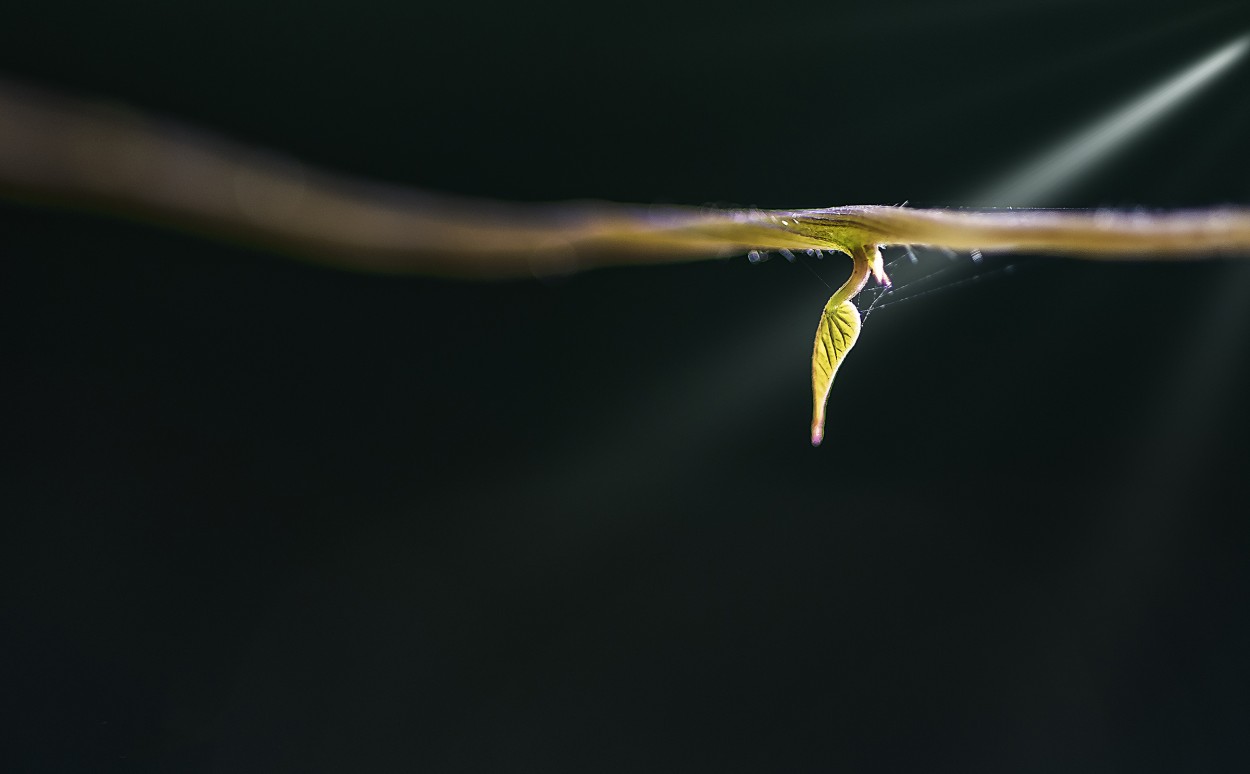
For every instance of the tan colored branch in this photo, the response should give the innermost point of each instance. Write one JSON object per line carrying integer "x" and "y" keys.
{"x": 57, "y": 150}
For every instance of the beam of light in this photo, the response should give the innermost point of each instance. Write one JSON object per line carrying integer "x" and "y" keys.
{"x": 1043, "y": 177}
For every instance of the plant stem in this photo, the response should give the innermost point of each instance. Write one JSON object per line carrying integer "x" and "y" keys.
{"x": 75, "y": 153}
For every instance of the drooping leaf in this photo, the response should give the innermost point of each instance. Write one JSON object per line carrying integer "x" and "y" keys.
{"x": 836, "y": 334}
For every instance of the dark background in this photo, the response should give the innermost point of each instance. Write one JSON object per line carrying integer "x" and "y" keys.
{"x": 263, "y": 516}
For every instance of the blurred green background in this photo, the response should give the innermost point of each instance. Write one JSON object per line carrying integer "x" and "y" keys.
{"x": 263, "y": 516}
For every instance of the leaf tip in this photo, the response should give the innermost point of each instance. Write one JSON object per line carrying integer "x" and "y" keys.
{"x": 877, "y": 263}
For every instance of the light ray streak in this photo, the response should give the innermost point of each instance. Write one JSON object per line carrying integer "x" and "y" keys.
{"x": 1040, "y": 180}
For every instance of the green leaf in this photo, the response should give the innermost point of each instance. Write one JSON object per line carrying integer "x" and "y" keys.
{"x": 836, "y": 334}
